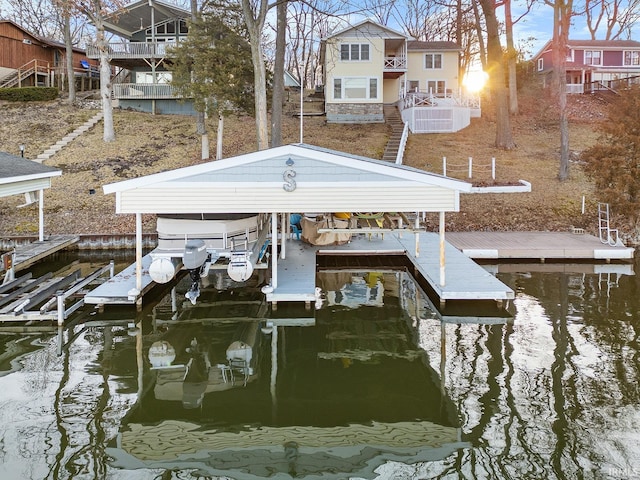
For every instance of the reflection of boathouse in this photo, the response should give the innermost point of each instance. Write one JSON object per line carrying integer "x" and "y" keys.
{"x": 332, "y": 395}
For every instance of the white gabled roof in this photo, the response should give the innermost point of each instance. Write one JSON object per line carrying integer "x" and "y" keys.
{"x": 264, "y": 163}
{"x": 356, "y": 26}
{"x": 325, "y": 180}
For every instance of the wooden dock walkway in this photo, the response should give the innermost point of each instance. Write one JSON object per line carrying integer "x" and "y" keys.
{"x": 465, "y": 279}
{"x": 536, "y": 245}
{"x": 30, "y": 253}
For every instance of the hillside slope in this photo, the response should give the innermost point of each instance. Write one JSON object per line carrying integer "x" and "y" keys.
{"x": 148, "y": 144}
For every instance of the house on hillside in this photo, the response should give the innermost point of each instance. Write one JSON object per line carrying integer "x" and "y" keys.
{"x": 29, "y": 60}
{"x": 369, "y": 66}
{"x": 146, "y": 30}
{"x": 593, "y": 65}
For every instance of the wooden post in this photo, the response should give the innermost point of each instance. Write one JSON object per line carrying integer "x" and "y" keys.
{"x": 470, "y": 167}
{"x": 444, "y": 166}
{"x": 493, "y": 168}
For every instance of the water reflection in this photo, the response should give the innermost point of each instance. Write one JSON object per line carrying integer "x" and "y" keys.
{"x": 252, "y": 394}
{"x": 372, "y": 385}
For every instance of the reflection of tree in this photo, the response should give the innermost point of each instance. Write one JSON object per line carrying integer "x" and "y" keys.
{"x": 82, "y": 448}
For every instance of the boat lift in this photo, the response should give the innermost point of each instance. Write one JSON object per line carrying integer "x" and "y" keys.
{"x": 25, "y": 299}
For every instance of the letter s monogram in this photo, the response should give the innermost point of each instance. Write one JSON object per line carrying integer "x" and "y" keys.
{"x": 290, "y": 183}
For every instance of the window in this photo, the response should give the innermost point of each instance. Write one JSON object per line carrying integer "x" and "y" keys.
{"x": 354, "y": 51}
{"x": 355, "y": 88}
{"x": 592, "y": 57}
{"x": 540, "y": 64}
{"x": 631, "y": 58}
{"x": 413, "y": 85}
{"x": 436, "y": 86}
{"x": 337, "y": 88}
{"x": 433, "y": 60}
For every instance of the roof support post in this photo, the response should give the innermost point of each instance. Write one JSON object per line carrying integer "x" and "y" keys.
{"x": 283, "y": 234}
{"x": 417, "y": 234}
{"x": 442, "y": 256}
{"x": 138, "y": 253}
{"x": 274, "y": 251}
{"x": 41, "y": 215}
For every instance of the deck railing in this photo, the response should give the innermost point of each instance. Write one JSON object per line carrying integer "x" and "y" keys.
{"x": 144, "y": 91}
{"x": 395, "y": 63}
{"x": 122, "y": 50}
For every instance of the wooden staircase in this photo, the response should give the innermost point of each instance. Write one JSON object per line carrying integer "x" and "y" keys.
{"x": 393, "y": 119}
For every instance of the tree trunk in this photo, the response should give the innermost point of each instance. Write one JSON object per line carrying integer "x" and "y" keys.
{"x": 495, "y": 65}
{"x": 561, "y": 23}
{"x": 277, "y": 97}
{"x": 512, "y": 57}
{"x": 109, "y": 134}
{"x": 201, "y": 125}
{"x": 254, "y": 27}
{"x": 69, "y": 52}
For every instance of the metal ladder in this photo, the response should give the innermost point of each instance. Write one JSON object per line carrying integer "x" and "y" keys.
{"x": 608, "y": 235}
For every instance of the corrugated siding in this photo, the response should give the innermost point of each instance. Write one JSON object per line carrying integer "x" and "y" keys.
{"x": 273, "y": 198}
{"x": 18, "y": 188}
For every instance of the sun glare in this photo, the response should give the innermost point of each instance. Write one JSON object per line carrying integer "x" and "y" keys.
{"x": 475, "y": 81}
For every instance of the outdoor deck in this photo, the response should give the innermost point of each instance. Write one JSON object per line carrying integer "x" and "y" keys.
{"x": 465, "y": 279}
{"x": 541, "y": 246}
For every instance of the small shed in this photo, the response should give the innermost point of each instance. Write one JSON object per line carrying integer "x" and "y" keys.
{"x": 21, "y": 176}
{"x": 284, "y": 180}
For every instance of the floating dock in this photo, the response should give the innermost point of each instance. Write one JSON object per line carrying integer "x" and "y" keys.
{"x": 465, "y": 279}
{"x": 541, "y": 246}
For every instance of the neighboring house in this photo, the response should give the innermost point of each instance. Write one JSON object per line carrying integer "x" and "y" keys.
{"x": 29, "y": 60}
{"x": 369, "y": 66}
{"x": 147, "y": 28}
{"x": 593, "y": 64}
{"x": 290, "y": 81}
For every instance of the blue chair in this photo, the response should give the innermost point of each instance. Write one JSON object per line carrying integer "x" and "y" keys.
{"x": 294, "y": 223}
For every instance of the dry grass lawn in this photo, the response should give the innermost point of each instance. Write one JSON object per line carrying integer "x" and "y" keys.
{"x": 148, "y": 144}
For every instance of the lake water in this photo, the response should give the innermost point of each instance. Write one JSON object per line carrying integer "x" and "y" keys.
{"x": 373, "y": 383}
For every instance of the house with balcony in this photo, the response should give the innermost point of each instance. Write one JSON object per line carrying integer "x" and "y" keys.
{"x": 369, "y": 66}
{"x": 29, "y": 60}
{"x": 593, "y": 65}
{"x": 145, "y": 30}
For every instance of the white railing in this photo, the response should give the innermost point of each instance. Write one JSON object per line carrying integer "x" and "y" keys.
{"x": 403, "y": 144}
{"x": 119, "y": 50}
{"x": 395, "y": 63}
{"x": 575, "y": 88}
{"x": 144, "y": 91}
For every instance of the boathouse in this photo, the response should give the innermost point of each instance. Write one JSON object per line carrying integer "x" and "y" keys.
{"x": 292, "y": 179}
{"x": 19, "y": 176}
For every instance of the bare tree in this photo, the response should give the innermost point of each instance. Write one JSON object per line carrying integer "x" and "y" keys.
{"x": 618, "y": 16}
{"x": 39, "y": 17}
{"x": 277, "y": 96}
{"x": 512, "y": 53}
{"x": 95, "y": 11}
{"x": 562, "y": 13}
{"x": 255, "y": 13}
{"x": 495, "y": 66}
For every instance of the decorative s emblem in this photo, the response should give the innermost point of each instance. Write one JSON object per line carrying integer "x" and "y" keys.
{"x": 290, "y": 183}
